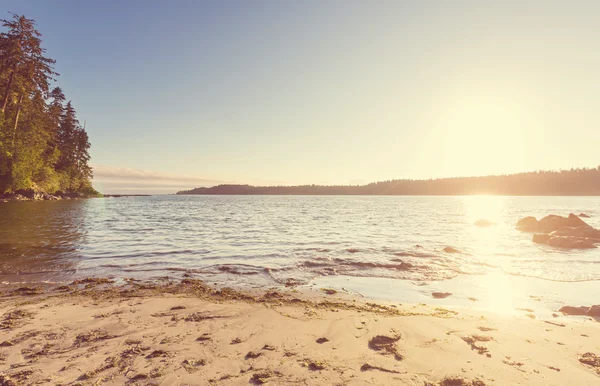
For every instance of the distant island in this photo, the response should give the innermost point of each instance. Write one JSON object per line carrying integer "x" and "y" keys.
{"x": 574, "y": 182}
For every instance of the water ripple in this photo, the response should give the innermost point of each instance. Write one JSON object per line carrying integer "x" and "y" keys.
{"x": 289, "y": 238}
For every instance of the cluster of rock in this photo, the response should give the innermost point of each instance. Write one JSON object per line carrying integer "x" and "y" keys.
{"x": 39, "y": 195}
{"x": 563, "y": 232}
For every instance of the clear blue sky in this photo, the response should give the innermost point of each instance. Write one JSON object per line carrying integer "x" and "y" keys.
{"x": 334, "y": 91}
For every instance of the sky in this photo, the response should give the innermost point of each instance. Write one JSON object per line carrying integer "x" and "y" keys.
{"x": 182, "y": 94}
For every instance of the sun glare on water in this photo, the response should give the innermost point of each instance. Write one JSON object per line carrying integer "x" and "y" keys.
{"x": 483, "y": 217}
{"x": 497, "y": 290}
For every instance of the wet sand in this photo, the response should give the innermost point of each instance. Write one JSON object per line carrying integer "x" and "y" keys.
{"x": 93, "y": 332}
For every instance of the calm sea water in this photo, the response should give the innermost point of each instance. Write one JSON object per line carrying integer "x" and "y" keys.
{"x": 287, "y": 239}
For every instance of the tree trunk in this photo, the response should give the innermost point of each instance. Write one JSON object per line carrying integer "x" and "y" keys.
{"x": 16, "y": 124}
{"x": 7, "y": 92}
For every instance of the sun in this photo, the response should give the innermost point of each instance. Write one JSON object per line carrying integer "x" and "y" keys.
{"x": 484, "y": 135}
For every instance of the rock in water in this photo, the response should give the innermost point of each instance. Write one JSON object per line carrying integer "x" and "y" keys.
{"x": 581, "y": 232}
{"x": 441, "y": 295}
{"x": 570, "y": 243}
{"x": 581, "y": 311}
{"x": 570, "y": 310}
{"x": 552, "y": 223}
{"x": 483, "y": 223}
{"x": 566, "y": 242}
{"x": 584, "y": 215}
{"x": 451, "y": 250}
{"x": 541, "y": 238}
{"x": 549, "y": 223}
{"x": 594, "y": 310}
{"x": 527, "y": 224}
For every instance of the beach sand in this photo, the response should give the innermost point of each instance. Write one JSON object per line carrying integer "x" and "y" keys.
{"x": 186, "y": 333}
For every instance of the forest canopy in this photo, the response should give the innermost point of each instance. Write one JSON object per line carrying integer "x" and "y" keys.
{"x": 42, "y": 144}
{"x": 574, "y": 182}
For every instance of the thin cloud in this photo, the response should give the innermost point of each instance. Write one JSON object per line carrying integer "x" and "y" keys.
{"x": 114, "y": 180}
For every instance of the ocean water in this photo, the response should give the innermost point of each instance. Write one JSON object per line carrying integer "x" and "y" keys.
{"x": 293, "y": 240}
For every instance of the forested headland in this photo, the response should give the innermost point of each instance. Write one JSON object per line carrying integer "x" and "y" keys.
{"x": 43, "y": 147}
{"x": 574, "y": 182}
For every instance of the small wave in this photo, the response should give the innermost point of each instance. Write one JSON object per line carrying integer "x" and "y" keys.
{"x": 483, "y": 264}
{"x": 102, "y": 255}
{"x": 396, "y": 268}
{"x": 237, "y": 269}
{"x": 338, "y": 262}
{"x": 553, "y": 280}
{"x": 322, "y": 250}
{"x": 413, "y": 254}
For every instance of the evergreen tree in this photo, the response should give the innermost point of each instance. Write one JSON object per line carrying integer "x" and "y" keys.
{"x": 41, "y": 141}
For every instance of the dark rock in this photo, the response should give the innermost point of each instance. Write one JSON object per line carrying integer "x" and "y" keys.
{"x": 570, "y": 310}
{"x": 584, "y": 215}
{"x": 594, "y": 310}
{"x": 29, "y": 194}
{"x": 17, "y": 197}
{"x": 34, "y": 193}
{"x": 441, "y": 295}
{"x": 252, "y": 355}
{"x": 483, "y": 223}
{"x": 581, "y": 311}
{"x": 581, "y": 232}
{"x": 541, "y": 238}
{"x": 561, "y": 232}
{"x": 549, "y": 223}
{"x": 527, "y": 224}
{"x": 570, "y": 243}
{"x": 72, "y": 195}
{"x": 563, "y": 241}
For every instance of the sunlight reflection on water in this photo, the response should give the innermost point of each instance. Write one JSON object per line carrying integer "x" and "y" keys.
{"x": 262, "y": 239}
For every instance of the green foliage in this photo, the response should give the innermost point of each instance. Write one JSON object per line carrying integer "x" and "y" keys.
{"x": 42, "y": 143}
{"x": 88, "y": 190}
{"x": 47, "y": 179}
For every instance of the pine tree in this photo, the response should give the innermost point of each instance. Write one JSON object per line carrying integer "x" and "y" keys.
{"x": 41, "y": 141}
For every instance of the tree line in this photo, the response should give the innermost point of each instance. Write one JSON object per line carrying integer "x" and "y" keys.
{"x": 42, "y": 144}
{"x": 574, "y": 182}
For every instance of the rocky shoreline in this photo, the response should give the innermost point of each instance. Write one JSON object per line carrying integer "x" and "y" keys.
{"x": 40, "y": 195}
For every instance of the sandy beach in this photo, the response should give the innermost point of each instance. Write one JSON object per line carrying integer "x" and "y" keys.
{"x": 94, "y": 332}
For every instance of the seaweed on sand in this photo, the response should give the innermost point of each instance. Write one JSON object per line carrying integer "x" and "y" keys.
{"x": 386, "y": 345}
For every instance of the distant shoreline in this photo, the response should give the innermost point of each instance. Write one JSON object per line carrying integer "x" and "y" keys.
{"x": 376, "y": 194}
{"x": 126, "y": 195}
{"x": 574, "y": 182}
